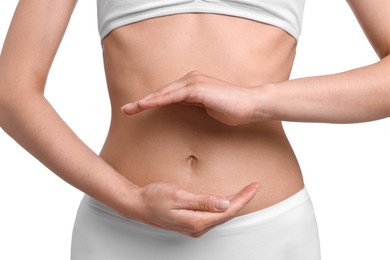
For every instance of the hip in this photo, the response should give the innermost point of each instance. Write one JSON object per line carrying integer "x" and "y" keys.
{"x": 286, "y": 230}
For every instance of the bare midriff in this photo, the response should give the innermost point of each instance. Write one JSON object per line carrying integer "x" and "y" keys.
{"x": 181, "y": 144}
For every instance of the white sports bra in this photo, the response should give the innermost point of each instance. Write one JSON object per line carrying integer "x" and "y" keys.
{"x": 285, "y": 14}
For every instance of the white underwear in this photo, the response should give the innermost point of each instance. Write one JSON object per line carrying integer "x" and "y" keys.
{"x": 284, "y": 231}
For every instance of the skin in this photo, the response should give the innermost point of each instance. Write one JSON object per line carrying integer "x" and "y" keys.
{"x": 182, "y": 145}
{"x": 201, "y": 79}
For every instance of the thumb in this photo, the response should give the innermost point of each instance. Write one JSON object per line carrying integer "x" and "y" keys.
{"x": 205, "y": 203}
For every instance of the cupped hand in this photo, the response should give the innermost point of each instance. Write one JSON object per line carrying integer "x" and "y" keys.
{"x": 170, "y": 207}
{"x": 227, "y": 103}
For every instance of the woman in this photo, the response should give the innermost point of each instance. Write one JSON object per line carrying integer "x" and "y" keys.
{"x": 180, "y": 145}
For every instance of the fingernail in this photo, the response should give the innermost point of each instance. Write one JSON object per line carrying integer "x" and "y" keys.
{"x": 124, "y": 107}
{"x": 221, "y": 204}
{"x": 258, "y": 187}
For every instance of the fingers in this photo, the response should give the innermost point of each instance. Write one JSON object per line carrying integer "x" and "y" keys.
{"x": 140, "y": 105}
{"x": 180, "y": 91}
{"x": 190, "y": 213}
{"x": 132, "y": 108}
{"x": 239, "y": 200}
{"x": 179, "y": 95}
{"x": 217, "y": 204}
{"x": 171, "y": 97}
{"x": 205, "y": 221}
{"x": 204, "y": 203}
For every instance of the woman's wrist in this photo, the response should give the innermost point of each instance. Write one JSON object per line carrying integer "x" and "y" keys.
{"x": 114, "y": 190}
{"x": 264, "y": 102}
{"x": 127, "y": 200}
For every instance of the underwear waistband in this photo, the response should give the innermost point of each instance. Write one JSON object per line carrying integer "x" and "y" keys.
{"x": 237, "y": 223}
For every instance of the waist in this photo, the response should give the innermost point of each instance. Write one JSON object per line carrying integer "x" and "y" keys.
{"x": 183, "y": 146}
{"x": 260, "y": 219}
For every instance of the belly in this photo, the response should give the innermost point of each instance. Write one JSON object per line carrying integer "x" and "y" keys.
{"x": 181, "y": 144}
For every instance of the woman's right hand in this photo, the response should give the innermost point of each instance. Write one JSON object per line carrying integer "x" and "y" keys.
{"x": 170, "y": 207}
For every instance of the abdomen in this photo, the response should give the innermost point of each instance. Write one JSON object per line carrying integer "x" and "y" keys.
{"x": 180, "y": 144}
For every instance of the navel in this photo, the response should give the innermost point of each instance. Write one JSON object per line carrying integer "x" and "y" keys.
{"x": 192, "y": 160}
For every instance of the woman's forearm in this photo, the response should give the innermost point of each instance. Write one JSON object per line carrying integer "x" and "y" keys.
{"x": 32, "y": 41}
{"x": 35, "y": 125}
{"x": 354, "y": 96}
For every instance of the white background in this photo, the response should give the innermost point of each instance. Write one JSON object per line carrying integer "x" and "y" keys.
{"x": 346, "y": 167}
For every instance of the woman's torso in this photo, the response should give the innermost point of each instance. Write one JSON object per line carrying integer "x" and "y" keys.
{"x": 181, "y": 144}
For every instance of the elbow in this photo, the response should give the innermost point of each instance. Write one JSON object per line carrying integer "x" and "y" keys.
{"x": 18, "y": 83}
{"x": 383, "y": 51}
{"x": 13, "y": 94}
{"x": 383, "y": 54}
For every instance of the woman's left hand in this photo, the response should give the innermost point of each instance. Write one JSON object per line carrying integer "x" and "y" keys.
{"x": 227, "y": 103}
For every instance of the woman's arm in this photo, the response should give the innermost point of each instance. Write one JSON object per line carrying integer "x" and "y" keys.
{"x": 28, "y": 52}
{"x": 29, "y": 49}
{"x": 358, "y": 95}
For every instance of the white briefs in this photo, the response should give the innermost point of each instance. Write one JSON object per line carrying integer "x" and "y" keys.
{"x": 284, "y": 231}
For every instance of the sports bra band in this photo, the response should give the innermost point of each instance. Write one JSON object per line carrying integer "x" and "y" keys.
{"x": 284, "y": 14}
